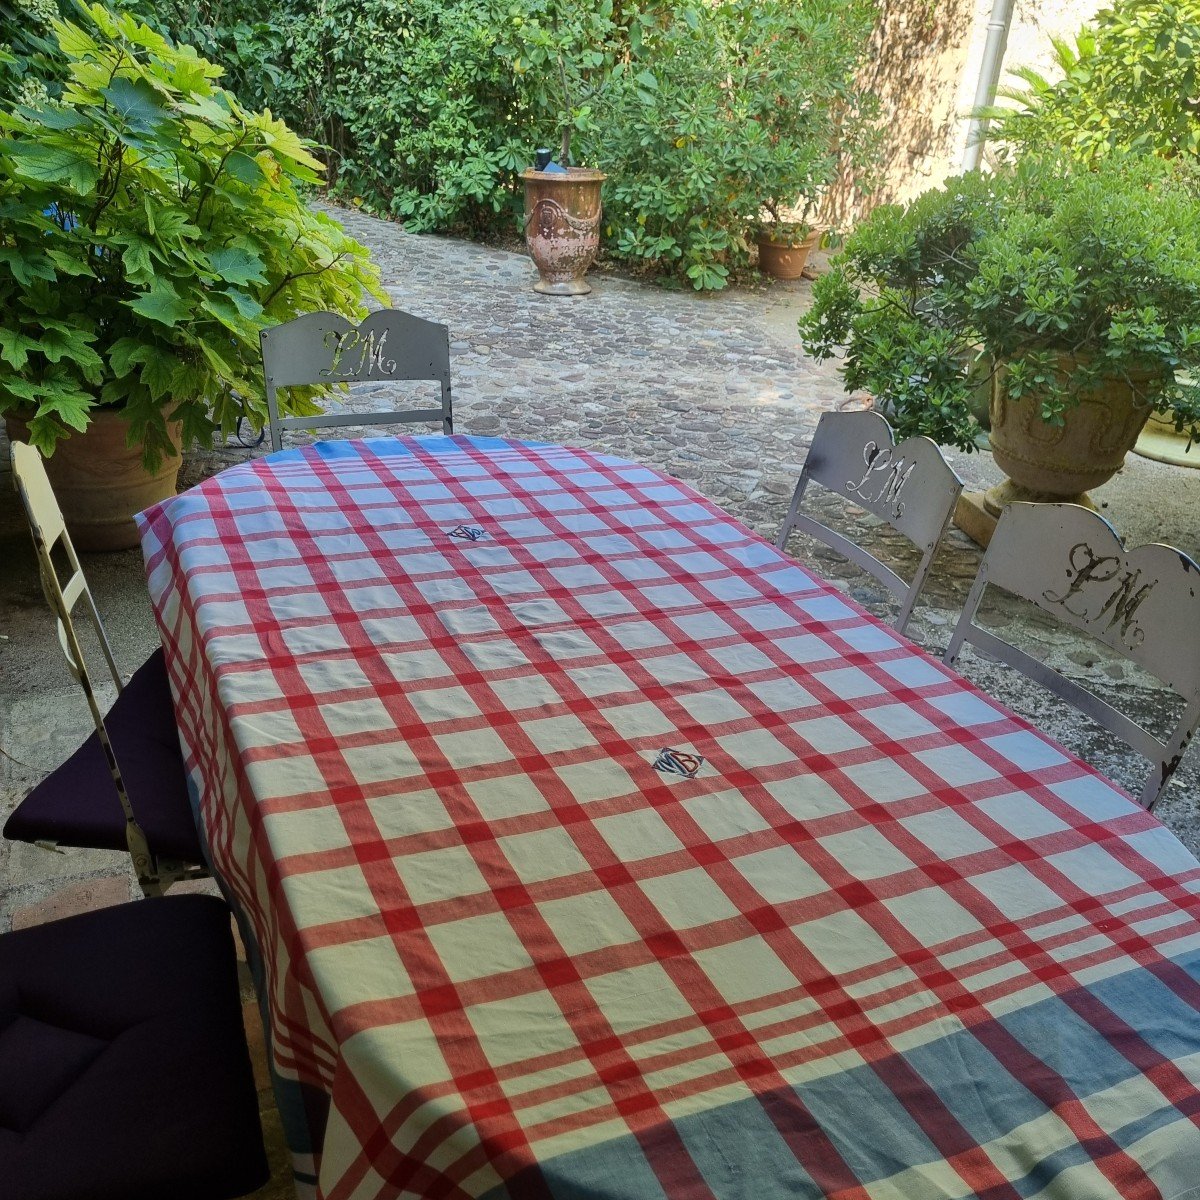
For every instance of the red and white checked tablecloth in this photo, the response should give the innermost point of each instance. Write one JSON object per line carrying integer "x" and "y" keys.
{"x": 597, "y": 849}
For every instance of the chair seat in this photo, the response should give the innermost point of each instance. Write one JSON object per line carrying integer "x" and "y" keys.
{"x": 124, "y": 1073}
{"x": 77, "y": 804}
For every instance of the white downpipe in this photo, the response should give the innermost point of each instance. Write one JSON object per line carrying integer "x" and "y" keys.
{"x": 989, "y": 78}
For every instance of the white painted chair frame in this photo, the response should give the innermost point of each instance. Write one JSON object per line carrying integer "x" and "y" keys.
{"x": 46, "y": 523}
{"x": 1142, "y": 603}
{"x": 323, "y": 347}
{"x": 910, "y": 486}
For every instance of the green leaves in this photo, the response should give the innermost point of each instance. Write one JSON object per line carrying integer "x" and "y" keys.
{"x": 151, "y": 227}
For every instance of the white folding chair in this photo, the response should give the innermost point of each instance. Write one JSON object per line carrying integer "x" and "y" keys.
{"x": 1142, "y": 603}
{"x": 73, "y": 806}
{"x": 910, "y": 486}
{"x": 324, "y": 348}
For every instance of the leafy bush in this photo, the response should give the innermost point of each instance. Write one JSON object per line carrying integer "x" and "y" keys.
{"x": 700, "y": 111}
{"x": 726, "y": 110}
{"x": 1038, "y": 266}
{"x": 152, "y": 227}
{"x": 1130, "y": 82}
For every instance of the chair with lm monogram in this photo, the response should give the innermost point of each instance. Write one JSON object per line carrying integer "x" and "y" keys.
{"x": 910, "y": 486}
{"x": 321, "y": 348}
{"x": 1142, "y": 603}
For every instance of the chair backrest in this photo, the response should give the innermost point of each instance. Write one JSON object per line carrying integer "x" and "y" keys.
{"x": 50, "y": 531}
{"x": 323, "y": 348}
{"x": 910, "y": 486}
{"x": 1142, "y": 603}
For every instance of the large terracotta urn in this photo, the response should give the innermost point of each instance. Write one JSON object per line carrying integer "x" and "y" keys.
{"x": 562, "y": 227}
{"x": 100, "y": 482}
{"x": 1059, "y": 463}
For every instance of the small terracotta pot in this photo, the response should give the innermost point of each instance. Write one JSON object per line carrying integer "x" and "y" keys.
{"x": 562, "y": 227}
{"x": 100, "y": 482}
{"x": 781, "y": 261}
{"x": 1058, "y": 463}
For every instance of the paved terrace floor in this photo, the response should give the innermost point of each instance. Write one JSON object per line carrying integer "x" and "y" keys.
{"x": 714, "y": 390}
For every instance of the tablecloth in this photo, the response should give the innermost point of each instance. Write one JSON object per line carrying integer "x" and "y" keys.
{"x": 597, "y": 849}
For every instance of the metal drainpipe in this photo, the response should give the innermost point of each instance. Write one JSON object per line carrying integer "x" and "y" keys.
{"x": 989, "y": 78}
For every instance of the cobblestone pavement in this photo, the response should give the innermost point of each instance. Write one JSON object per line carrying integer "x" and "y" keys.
{"x": 714, "y": 390}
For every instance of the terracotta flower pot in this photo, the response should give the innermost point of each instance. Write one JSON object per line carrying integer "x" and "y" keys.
{"x": 100, "y": 482}
{"x": 562, "y": 227}
{"x": 1059, "y": 463}
{"x": 783, "y": 261}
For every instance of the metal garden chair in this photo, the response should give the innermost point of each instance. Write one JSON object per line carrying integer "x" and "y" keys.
{"x": 323, "y": 347}
{"x": 124, "y": 1073}
{"x": 1142, "y": 603}
{"x": 910, "y": 486}
{"x": 125, "y": 788}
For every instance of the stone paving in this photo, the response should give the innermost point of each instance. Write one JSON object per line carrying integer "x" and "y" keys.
{"x": 714, "y": 390}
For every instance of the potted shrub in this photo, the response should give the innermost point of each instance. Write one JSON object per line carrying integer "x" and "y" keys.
{"x": 784, "y": 247}
{"x": 1074, "y": 293}
{"x": 565, "y": 55}
{"x": 151, "y": 228}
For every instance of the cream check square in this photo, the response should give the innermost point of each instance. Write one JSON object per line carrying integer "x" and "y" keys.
{"x": 636, "y": 721}
{"x": 316, "y": 898}
{"x": 442, "y": 704}
{"x": 413, "y": 665}
{"x": 476, "y": 947}
{"x": 349, "y": 973}
{"x": 638, "y": 834}
{"x": 389, "y": 759}
{"x": 525, "y": 692}
{"x": 712, "y": 707}
{"x": 395, "y": 630}
{"x": 806, "y": 797}
{"x": 898, "y": 721}
{"x": 806, "y": 648}
{"x": 725, "y": 815}
{"x": 779, "y": 874}
{"x": 745, "y": 970}
{"x": 513, "y": 583}
{"x": 565, "y": 644}
{"x": 638, "y": 998}
{"x": 596, "y": 779}
{"x": 589, "y": 921}
{"x": 520, "y": 1027}
{"x": 274, "y": 729}
{"x": 473, "y": 748}
{"x": 604, "y": 604}
{"x": 406, "y": 813}
{"x": 496, "y": 654}
{"x": 883, "y": 781}
{"x": 947, "y": 834}
{"x": 674, "y": 668}
{"x": 506, "y": 796}
{"x": 932, "y": 916}
{"x": 604, "y": 679}
{"x": 533, "y": 614}
{"x": 741, "y": 660}
{"x": 781, "y": 695}
{"x": 331, "y": 675}
{"x": 440, "y": 874}
{"x": 465, "y": 622}
{"x": 866, "y": 853}
{"x": 543, "y": 854}
{"x": 703, "y": 626}
{"x": 554, "y": 735}
{"x": 1094, "y": 870}
{"x": 1016, "y": 892}
{"x": 689, "y": 898}
{"x": 829, "y": 735}
{"x": 843, "y": 942}
{"x": 356, "y": 716}
{"x": 292, "y": 776}
{"x": 755, "y": 748}
{"x": 303, "y": 640}
{"x": 637, "y": 635}
{"x": 305, "y": 831}
{"x": 1018, "y": 810}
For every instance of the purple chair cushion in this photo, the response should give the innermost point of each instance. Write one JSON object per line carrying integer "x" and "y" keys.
{"x": 124, "y": 1073}
{"x": 77, "y": 804}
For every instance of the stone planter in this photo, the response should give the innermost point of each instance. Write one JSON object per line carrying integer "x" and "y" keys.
{"x": 783, "y": 261}
{"x": 1059, "y": 463}
{"x": 562, "y": 227}
{"x": 100, "y": 482}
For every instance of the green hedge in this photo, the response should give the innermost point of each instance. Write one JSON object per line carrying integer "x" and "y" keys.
{"x": 701, "y": 112}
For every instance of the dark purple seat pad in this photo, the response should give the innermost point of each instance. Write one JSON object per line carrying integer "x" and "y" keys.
{"x": 77, "y": 804}
{"x": 124, "y": 1073}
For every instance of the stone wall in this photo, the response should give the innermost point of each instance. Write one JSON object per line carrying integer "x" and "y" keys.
{"x": 924, "y": 64}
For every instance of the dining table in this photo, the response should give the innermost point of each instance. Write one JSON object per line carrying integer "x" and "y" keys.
{"x": 589, "y": 847}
